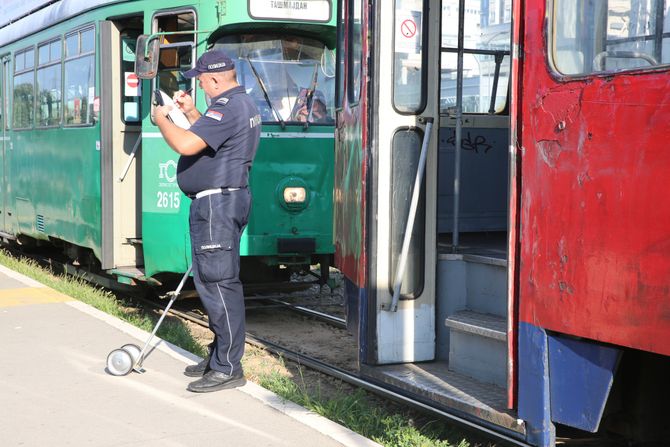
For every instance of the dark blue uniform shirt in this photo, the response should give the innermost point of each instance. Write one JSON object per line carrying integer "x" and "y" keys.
{"x": 231, "y": 128}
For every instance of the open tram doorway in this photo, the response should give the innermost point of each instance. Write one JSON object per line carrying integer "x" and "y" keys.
{"x": 445, "y": 339}
{"x": 473, "y": 326}
{"x": 121, "y": 144}
{"x": 472, "y": 188}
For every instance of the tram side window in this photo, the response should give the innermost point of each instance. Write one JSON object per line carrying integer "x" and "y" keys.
{"x": 591, "y": 37}
{"x": 79, "y": 69}
{"x": 4, "y": 105}
{"x": 49, "y": 100}
{"x": 355, "y": 50}
{"x": 486, "y": 55}
{"x": 24, "y": 89}
{"x": 177, "y": 51}
{"x": 339, "y": 79}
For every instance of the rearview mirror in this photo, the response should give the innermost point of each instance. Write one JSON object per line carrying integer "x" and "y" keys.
{"x": 146, "y": 59}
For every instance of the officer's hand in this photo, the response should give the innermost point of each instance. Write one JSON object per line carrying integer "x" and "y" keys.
{"x": 161, "y": 111}
{"x": 183, "y": 101}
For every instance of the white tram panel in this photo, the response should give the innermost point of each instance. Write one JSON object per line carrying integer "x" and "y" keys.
{"x": 407, "y": 335}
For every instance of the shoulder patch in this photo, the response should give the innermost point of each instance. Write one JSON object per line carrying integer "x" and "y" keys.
{"x": 214, "y": 115}
{"x": 222, "y": 101}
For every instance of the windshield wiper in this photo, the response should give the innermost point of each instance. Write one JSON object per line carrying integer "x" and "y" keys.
{"x": 259, "y": 81}
{"x": 310, "y": 95}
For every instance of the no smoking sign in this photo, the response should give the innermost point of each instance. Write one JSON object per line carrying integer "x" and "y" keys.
{"x": 408, "y": 28}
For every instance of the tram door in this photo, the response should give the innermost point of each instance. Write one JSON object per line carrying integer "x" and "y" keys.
{"x": 161, "y": 196}
{"x": 405, "y": 327}
{"x": 6, "y": 143}
{"x": 121, "y": 144}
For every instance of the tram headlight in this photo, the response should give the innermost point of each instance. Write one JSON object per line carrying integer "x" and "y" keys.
{"x": 295, "y": 194}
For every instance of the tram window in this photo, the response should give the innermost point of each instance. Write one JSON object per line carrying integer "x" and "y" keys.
{"x": 486, "y": 51}
{"x": 24, "y": 89}
{"x": 406, "y": 151}
{"x": 408, "y": 57}
{"x": 355, "y": 50}
{"x": 132, "y": 97}
{"x": 43, "y": 54}
{"x": 49, "y": 101}
{"x": 87, "y": 41}
{"x": 29, "y": 58}
{"x": 4, "y": 105}
{"x": 72, "y": 45}
{"x": 79, "y": 77}
{"x": 591, "y": 37}
{"x": 339, "y": 80}
{"x": 3, "y": 80}
{"x": 291, "y": 78}
{"x": 176, "y": 51}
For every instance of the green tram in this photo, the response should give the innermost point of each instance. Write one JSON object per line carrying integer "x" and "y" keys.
{"x": 85, "y": 169}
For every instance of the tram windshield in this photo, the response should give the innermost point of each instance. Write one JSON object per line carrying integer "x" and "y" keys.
{"x": 291, "y": 78}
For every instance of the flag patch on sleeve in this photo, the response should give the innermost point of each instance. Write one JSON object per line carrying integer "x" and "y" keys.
{"x": 214, "y": 115}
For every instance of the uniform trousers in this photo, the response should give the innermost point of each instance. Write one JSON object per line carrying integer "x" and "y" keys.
{"x": 216, "y": 223}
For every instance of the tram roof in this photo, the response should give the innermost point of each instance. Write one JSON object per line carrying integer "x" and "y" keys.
{"x": 19, "y": 18}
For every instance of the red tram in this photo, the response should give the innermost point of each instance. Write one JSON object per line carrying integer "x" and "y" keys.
{"x": 499, "y": 209}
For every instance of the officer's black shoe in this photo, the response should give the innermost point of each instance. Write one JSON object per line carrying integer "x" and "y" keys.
{"x": 197, "y": 370}
{"x": 216, "y": 380}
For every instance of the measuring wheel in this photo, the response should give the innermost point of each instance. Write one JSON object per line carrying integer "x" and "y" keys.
{"x": 119, "y": 362}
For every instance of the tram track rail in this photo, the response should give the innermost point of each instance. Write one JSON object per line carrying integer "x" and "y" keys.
{"x": 350, "y": 377}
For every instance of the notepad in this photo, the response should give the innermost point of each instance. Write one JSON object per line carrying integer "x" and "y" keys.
{"x": 175, "y": 115}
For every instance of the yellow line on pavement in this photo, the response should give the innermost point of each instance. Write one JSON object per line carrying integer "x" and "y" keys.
{"x": 30, "y": 295}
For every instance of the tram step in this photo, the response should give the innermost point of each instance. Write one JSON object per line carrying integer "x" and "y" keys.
{"x": 468, "y": 282}
{"x": 478, "y": 346}
{"x": 486, "y": 325}
{"x": 472, "y": 282}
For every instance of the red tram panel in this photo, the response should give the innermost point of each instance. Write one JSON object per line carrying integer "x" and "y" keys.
{"x": 595, "y": 224}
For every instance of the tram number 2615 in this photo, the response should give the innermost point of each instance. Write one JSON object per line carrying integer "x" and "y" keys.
{"x": 168, "y": 199}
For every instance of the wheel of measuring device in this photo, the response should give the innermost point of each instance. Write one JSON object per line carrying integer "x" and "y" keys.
{"x": 119, "y": 362}
{"x": 133, "y": 350}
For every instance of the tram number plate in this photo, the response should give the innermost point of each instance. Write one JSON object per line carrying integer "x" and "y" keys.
{"x": 169, "y": 200}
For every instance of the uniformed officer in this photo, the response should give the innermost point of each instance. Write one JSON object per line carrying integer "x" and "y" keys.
{"x": 216, "y": 154}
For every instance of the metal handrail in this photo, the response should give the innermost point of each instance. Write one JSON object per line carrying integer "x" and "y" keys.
{"x": 411, "y": 218}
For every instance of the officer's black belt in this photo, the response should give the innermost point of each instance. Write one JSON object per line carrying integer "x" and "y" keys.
{"x": 209, "y": 192}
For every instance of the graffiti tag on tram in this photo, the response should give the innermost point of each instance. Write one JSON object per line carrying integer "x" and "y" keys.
{"x": 468, "y": 143}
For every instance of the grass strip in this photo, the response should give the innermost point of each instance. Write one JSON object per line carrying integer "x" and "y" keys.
{"x": 357, "y": 411}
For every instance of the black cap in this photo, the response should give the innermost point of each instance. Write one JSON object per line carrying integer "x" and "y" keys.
{"x": 213, "y": 61}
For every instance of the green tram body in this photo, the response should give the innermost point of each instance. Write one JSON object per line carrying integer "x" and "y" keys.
{"x": 62, "y": 158}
